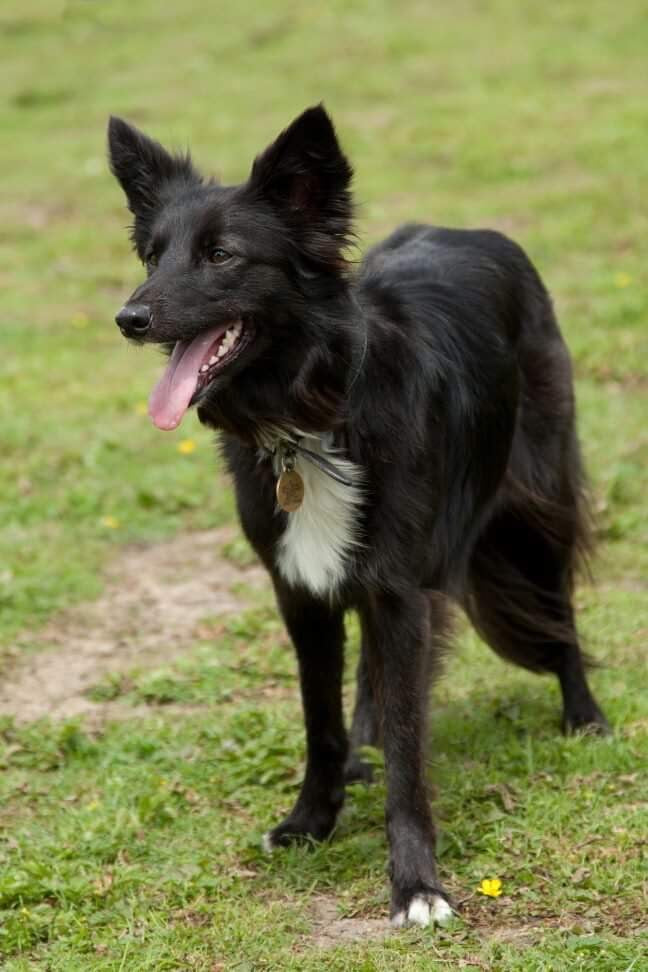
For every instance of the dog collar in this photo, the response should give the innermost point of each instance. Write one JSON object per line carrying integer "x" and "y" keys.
{"x": 286, "y": 449}
{"x": 290, "y": 485}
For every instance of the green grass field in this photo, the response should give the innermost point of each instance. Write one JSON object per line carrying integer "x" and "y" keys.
{"x": 133, "y": 843}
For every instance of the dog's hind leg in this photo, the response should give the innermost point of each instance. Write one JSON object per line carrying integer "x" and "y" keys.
{"x": 520, "y": 601}
{"x": 317, "y": 631}
{"x": 365, "y": 727}
{"x": 399, "y": 646}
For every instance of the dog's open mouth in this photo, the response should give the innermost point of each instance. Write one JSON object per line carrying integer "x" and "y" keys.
{"x": 193, "y": 365}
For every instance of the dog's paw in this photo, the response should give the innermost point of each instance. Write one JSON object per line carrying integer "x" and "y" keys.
{"x": 586, "y": 724}
{"x": 582, "y": 716}
{"x": 267, "y": 844}
{"x": 303, "y": 826}
{"x": 358, "y": 771}
{"x": 424, "y": 910}
{"x": 286, "y": 834}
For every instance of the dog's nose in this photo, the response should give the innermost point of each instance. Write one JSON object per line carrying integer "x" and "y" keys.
{"x": 134, "y": 320}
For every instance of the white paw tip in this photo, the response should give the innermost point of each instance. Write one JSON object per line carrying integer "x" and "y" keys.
{"x": 266, "y": 843}
{"x": 398, "y": 920}
{"x": 441, "y": 910}
{"x": 418, "y": 912}
{"x": 422, "y": 912}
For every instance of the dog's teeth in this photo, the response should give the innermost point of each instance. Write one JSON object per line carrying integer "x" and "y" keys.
{"x": 230, "y": 338}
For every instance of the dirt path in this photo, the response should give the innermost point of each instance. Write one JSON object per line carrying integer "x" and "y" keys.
{"x": 153, "y": 600}
{"x": 329, "y": 929}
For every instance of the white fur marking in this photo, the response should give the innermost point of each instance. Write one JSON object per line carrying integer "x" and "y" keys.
{"x": 423, "y": 913}
{"x": 441, "y": 910}
{"x": 320, "y": 535}
{"x": 418, "y": 912}
{"x": 266, "y": 843}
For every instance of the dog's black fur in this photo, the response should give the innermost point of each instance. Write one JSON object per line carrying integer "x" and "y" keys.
{"x": 440, "y": 368}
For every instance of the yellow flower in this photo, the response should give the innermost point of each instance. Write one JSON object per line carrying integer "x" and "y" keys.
{"x": 622, "y": 279}
{"x": 93, "y": 805}
{"x": 110, "y": 522}
{"x": 186, "y": 446}
{"x": 491, "y": 887}
{"x": 141, "y": 408}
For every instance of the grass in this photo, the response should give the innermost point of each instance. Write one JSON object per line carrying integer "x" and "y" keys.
{"x": 136, "y": 847}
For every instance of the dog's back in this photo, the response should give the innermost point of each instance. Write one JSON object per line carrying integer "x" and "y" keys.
{"x": 475, "y": 289}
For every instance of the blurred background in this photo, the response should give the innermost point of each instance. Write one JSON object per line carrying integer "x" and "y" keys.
{"x": 526, "y": 117}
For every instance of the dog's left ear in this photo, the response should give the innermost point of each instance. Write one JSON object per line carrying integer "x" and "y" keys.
{"x": 306, "y": 177}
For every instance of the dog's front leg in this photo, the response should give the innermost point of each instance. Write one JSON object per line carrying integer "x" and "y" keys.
{"x": 401, "y": 643}
{"x": 317, "y": 631}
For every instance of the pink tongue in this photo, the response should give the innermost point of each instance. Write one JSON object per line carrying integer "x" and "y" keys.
{"x": 171, "y": 396}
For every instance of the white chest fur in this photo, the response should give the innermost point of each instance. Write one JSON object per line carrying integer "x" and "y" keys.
{"x": 314, "y": 549}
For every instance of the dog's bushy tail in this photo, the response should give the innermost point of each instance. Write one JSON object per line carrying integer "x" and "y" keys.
{"x": 525, "y": 564}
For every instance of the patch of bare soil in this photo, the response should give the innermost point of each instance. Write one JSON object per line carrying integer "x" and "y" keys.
{"x": 154, "y": 598}
{"x": 329, "y": 929}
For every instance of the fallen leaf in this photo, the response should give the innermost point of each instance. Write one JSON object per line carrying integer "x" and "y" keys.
{"x": 505, "y": 793}
{"x": 104, "y": 883}
{"x": 580, "y": 874}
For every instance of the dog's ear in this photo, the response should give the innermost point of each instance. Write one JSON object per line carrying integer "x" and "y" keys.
{"x": 143, "y": 166}
{"x": 306, "y": 177}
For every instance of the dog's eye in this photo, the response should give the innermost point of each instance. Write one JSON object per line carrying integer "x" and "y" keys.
{"x": 219, "y": 255}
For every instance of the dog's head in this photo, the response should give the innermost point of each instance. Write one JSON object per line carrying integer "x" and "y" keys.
{"x": 244, "y": 283}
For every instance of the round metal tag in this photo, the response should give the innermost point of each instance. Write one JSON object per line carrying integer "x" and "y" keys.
{"x": 290, "y": 490}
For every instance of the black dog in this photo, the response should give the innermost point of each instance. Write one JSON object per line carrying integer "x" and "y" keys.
{"x": 398, "y": 437}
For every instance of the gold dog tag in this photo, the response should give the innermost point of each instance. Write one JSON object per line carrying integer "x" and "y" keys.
{"x": 290, "y": 490}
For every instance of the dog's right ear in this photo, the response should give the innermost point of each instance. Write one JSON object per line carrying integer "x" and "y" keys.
{"x": 143, "y": 166}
